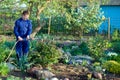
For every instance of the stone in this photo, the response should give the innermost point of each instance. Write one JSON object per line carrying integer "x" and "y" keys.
{"x": 97, "y": 75}
{"x": 11, "y": 66}
{"x": 43, "y": 74}
{"x": 80, "y": 59}
{"x": 31, "y": 70}
{"x": 54, "y": 78}
{"x": 66, "y": 79}
{"x": 84, "y": 57}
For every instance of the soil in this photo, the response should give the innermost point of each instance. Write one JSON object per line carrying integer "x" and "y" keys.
{"x": 63, "y": 71}
{"x": 70, "y": 71}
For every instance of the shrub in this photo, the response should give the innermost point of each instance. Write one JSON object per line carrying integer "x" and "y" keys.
{"x": 115, "y": 36}
{"x": 4, "y": 70}
{"x": 9, "y": 44}
{"x": 112, "y": 66}
{"x": 3, "y": 52}
{"x": 45, "y": 54}
{"x": 84, "y": 48}
{"x": 97, "y": 46}
{"x": 114, "y": 57}
{"x": 76, "y": 49}
{"x": 73, "y": 49}
{"x": 96, "y": 67}
{"x": 116, "y": 46}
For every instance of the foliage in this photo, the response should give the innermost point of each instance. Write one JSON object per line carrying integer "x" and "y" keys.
{"x": 114, "y": 57}
{"x": 3, "y": 54}
{"x": 22, "y": 64}
{"x": 46, "y": 37}
{"x": 3, "y": 51}
{"x": 17, "y": 78}
{"x": 65, "y": 15}
{"x": 4, "y": 70}
{"x": 116, "y": 46}
{"x": 76, "y": 49}
{"x": 66, "y": 57}
{"x": 9, "y": 44}
{"x": 45, "y": 54}
{"x": 115, "y": 35}
{"x": 12, "y": 78}
{"x": 84, "y": 48}
{"x": 112, "y": 66}
{"x": 86, "y": 18}
{"x": 84, "y": 63}
{"x": 97, "y": 46}
{"x": 96, "y": 67}
{"x": 72, "y": 49}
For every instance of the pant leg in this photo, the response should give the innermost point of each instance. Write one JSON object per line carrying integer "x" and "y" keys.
{"x": 25, "y": 47}
{"x": 19, "y": 51}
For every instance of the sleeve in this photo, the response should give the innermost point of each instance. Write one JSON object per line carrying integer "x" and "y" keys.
{"x": 16, "y": 27}
{"x": 29, "y": 28}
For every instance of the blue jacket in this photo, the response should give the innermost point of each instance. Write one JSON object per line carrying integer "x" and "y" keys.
{"x": 22, "y": 28}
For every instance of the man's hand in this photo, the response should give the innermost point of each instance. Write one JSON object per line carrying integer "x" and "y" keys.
{"x": 28, "y": 37}
{"x": 19, "y": 38}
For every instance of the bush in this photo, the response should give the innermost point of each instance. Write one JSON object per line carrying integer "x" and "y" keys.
{"x": 76, "y": 51}
{"x": 4, "y": 70}
{"x": 3, "y": 52}
{"x": 45, "y": 54}
{"x": 9, "y": 44}
{"x": 81, "y": 49}
{"x": 84, "y": 48}
{"x": 114, "y": 57}
{"x": 112, "y": 66}
{"x": 115, "y": 36}
{"x": 97, "y": 46}
{"x": 96, "y": 67}
{"x": 116, "y": 46}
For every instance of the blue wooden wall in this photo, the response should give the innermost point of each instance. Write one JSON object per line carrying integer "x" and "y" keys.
{"x": 114, "y": 13}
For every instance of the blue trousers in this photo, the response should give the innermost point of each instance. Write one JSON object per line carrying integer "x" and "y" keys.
{"x": 22, "y": 48}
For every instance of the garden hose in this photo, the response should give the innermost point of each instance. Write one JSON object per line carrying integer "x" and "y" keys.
{"x": 14, "y": 47}
{"x": 11, "y": 51}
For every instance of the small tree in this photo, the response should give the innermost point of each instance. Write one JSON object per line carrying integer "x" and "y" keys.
{"x": 86, "y": 18}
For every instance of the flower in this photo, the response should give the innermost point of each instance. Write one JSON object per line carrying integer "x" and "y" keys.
{"x": 112, "y": 54}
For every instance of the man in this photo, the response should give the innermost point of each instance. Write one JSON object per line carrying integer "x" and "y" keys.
{"x": 22, "y": 31}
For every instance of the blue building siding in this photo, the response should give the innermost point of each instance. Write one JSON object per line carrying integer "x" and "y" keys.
{"x": 114, "y": 13}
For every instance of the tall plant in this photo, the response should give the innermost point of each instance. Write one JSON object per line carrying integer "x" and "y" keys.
{"x": 88, "y": 17}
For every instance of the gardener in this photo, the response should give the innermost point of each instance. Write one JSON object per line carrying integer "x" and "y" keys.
{"x": 22, "y": 31}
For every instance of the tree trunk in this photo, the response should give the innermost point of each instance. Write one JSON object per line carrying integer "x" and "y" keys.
{"x": 49, "y": 25}
{"x": 39, "y": 10}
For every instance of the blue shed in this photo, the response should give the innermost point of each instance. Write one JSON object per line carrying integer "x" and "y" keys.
{"x": 112, "y": 12}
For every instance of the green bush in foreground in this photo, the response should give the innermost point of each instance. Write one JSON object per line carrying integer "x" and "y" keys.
{"x": 112, "y": 66}
{"x": 45, "y": 54}
{"x": 4, "y": 70}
